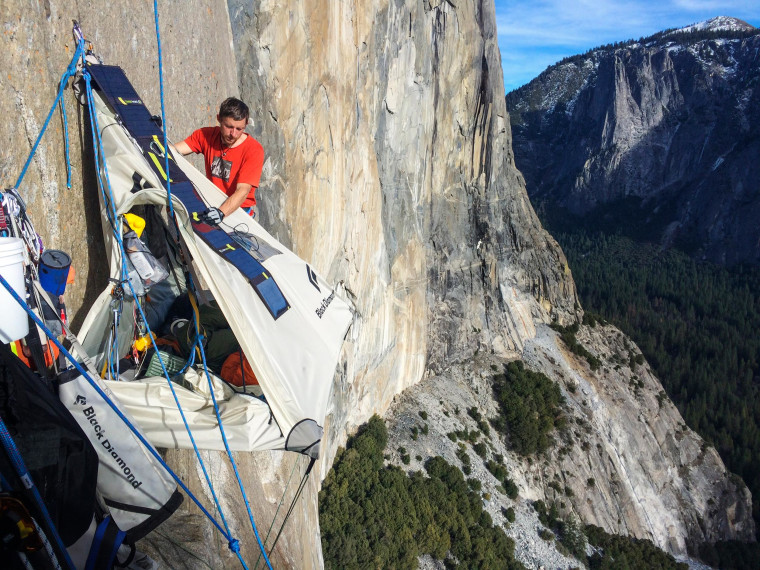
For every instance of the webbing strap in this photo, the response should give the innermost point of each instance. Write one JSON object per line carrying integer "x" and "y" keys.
{"x": 113, "y": 84}
{"x": 34, "y": 344}
{"x": 105, "y": 544}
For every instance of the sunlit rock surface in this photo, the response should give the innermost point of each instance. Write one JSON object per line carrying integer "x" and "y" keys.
{"x": 653, "y": 476}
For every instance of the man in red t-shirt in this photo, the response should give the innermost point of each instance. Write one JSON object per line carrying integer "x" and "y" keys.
{"x": 233, "y": 158}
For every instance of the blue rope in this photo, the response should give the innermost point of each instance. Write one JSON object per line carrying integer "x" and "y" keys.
{"x": 26, "y": 479}
{"x": 163, "y": 110}
{"x": 191, "y": 360}
{"x": 108, "y": 200}
{"x": 232, "y": 460}
{"x": 70, "y": 72}
{"x": 99, "y": 154}
{"x": 198, "y": 335}
{"x": 62, "y": 86}
{"x": 113, "y": 406}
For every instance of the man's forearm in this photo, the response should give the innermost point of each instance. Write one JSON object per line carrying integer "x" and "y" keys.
{"x": 182, "y": 147}
{"x": 236, "y": 200}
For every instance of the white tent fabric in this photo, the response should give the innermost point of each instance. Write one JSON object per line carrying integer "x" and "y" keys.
{"x": 246, "y": 419}
{"x": 294, "y": 357}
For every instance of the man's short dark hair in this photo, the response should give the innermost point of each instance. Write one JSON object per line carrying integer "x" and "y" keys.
{"x": 235, "y": 108}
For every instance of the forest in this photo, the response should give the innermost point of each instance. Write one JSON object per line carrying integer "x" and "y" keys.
{"x": 530, "y": 406}
{"x": 697, "y": 325}
{"x": 374, "y": 514}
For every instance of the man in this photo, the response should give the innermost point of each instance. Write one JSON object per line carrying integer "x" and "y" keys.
{"x": 233, "y": 158}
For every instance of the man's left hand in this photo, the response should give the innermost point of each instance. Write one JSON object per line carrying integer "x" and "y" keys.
{"x": 212, "y": 216}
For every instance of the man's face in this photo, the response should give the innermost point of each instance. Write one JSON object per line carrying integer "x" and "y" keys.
{"x": 231, "y": 129}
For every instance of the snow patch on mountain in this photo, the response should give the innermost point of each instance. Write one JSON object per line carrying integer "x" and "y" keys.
{"x": 717, "y": 24}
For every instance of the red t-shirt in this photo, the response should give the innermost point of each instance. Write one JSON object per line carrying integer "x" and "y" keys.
{"x": 239, "y": 165}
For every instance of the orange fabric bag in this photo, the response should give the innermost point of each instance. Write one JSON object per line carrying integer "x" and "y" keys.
{"x": 233, "y": 370}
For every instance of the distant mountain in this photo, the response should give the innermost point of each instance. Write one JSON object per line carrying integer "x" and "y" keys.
{"x": 659, "y": 138}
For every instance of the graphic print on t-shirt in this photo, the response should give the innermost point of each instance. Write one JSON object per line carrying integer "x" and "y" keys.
{"x": 220, "y": 168}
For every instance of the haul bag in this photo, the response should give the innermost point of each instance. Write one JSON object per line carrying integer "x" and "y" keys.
{"x": 137, "y": 490}
{"x": 57, "y": 453}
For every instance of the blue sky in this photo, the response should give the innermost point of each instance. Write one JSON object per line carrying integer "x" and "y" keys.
{"x": 534, "y": 34}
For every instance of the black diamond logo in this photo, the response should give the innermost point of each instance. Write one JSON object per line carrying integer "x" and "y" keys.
{"x": 312, "y": 278}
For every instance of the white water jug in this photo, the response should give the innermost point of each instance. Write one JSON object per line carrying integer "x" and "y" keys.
{"x": 14, "y": 323}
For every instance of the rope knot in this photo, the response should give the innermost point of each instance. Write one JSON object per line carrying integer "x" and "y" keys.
{"x": 234, "y": 545}
{"x": 200, "y": 342}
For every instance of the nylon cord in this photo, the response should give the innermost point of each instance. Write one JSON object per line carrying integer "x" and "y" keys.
{"x": 70, "y": 72}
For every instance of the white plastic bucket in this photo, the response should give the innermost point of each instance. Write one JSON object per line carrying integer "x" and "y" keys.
{"x": 14, "y": 323}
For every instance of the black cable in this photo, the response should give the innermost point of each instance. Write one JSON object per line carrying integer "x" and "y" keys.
{"x": 293, "y": 503}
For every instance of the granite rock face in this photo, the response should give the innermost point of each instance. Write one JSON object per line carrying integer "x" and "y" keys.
{"x": 653, "y": 476}
{"x": 660, "y": 135}
{"x": 389, "y": 168}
